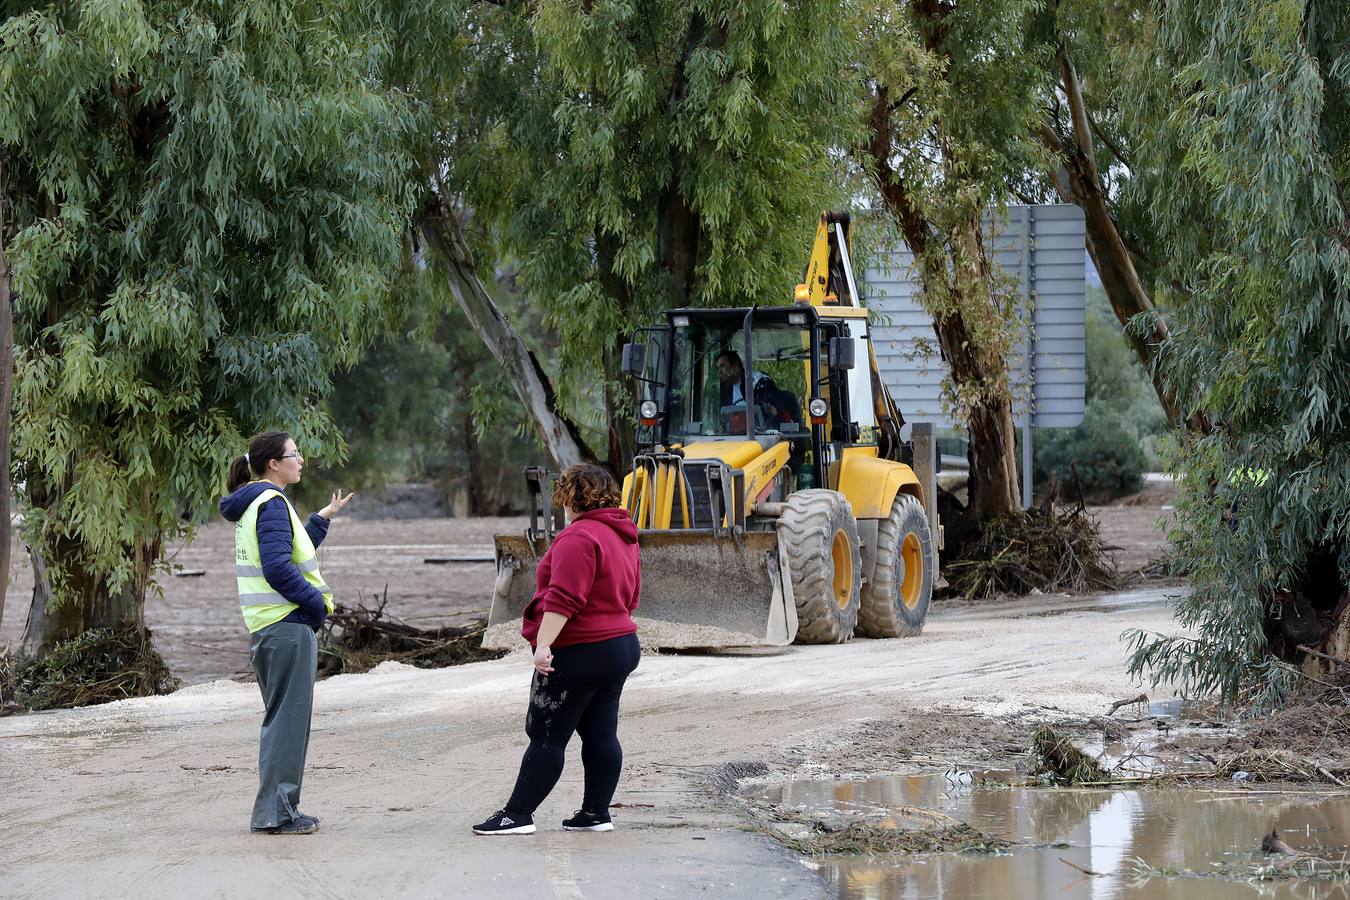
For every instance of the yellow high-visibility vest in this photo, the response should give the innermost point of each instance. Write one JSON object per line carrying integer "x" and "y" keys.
{"x": 258, "y": 600}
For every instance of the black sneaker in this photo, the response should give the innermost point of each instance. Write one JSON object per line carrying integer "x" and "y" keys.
{"x": 302, "y": 825}
{"x": 584, "y": 821}
{"x": 304, "y": 818}
{"x": 503, "y": 822}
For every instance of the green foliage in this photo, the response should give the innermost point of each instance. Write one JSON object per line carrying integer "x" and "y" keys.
{"x": 427, "y": 401}
{"x": 1103, "y": 455}
{"x": 963, "y": 91}
{"x": 1121, "y": 423}
{"x": 1247, "y": 108}
{"x": 207, "y": 202}
{"x": 1116, "y": 380}
{"x": 605, "y": 143}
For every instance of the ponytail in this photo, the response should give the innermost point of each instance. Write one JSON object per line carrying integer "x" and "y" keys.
{"x": 239, "y": 474}
{"x": 262, "y": 449}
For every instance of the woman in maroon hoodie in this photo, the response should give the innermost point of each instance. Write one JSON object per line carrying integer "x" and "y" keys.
{"x": 580, "y": 624}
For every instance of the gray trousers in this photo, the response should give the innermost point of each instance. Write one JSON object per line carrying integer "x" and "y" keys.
{"x": 285, "y": 656}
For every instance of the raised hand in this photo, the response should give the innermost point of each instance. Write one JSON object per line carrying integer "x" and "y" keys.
{"x": 337, "y": 505}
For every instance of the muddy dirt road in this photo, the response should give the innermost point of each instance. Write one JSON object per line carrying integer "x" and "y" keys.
{"x": 196, "y": 621}
{"x": 150, "y": 798}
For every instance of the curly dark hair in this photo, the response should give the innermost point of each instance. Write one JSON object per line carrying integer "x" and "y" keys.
{"x": 584, "y": 487}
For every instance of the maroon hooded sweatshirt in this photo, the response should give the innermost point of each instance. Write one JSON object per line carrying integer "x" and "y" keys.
{"x": 590, "y": 575}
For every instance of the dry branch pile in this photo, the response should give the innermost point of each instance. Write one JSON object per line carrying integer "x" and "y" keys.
{"x": 357, "y": 639}
{"x": 1046, "y": 549}
{"x": 1056, "y": 757}
{"x": 99, "y": 666}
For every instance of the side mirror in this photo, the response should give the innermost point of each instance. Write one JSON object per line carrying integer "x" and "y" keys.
{"x": 841, "y": 353}
{"x": 634, "y": 355}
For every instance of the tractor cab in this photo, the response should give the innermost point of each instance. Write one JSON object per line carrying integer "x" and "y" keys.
{"x": 797, "y": 368}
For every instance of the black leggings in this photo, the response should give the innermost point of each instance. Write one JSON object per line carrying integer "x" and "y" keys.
{"x": 581, "y": 695}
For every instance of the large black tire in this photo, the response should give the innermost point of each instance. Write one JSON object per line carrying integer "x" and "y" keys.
{"x": 820, "y": 538}
{"x": 895, "y": 602}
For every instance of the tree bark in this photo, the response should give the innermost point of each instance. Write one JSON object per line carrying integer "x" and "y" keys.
{"x": 994, "y": 489}
{"x": 96, "y": 607}
{"x": 560, "y": 435}
{"x": 90, "y": 601}
{"x": 1080, "y": 183}
{"x": 6, "y": 392}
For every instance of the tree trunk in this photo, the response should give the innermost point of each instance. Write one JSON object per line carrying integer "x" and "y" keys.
{"x": 994, "y": 489}
{"x": 97, "y": 607}
{"x": 6, "y": 395}
{"x": 474, "y": 488}
{"x": 1080, "y": 183}
{"x": 561, "y": 437}
{"x": 88, "y": 602}
{"x": 620, "y": 434}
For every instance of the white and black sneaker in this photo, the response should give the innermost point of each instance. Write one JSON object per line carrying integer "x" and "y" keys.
{"x": 503, "y": 822}
{"x": 585, "y": 821}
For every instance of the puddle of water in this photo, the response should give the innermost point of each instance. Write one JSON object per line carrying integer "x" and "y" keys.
{"x": 1104, "y": 831}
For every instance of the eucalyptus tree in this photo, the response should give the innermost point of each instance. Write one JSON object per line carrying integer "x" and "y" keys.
{"x": 955, "y": 92}
{"x": 1099, "y": 52}
{"x": 631, "y": 157}
{"x": 204, "y": 205}
{"x": 6, "y": 391}
{"x": 1245, "y": 171}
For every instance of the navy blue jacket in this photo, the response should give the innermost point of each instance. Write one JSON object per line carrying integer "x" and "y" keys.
{"x": 275, "y": 544}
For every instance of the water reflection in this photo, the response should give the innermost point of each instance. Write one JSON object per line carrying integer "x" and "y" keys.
{"x": 1104, "y": 830}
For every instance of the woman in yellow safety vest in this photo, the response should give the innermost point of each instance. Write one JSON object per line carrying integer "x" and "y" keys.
{"x": 284, "y": 600}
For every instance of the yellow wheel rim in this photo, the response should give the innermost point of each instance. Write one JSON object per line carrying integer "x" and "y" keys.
{"x": 842, "y": 553}
{"x": 911, "y": 555}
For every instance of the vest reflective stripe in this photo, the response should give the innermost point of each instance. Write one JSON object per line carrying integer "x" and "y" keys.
{"x": 259, "y": 602}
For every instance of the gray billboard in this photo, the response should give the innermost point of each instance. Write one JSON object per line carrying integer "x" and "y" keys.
{"x": 1040, "y": 249}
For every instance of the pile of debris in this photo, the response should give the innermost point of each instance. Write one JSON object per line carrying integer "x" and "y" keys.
{"x": 357, "y": 639}
{"x": 1056, "y": 759}
{"x": 1313, "y": 726}
{"x": 1047, "y": 549}
{"x": 99, "y": 666}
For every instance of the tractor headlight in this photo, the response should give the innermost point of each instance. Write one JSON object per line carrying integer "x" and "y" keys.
{"x": 818, "y": 408}
{"x": 648, "y": 409}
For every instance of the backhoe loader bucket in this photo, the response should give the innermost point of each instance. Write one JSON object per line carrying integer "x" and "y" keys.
{"x": 698, "y": 590}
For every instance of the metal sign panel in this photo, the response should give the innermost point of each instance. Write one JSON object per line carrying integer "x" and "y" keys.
{"x": 1040, "y": 249}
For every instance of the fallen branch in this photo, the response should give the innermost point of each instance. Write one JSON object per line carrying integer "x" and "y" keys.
{"x": 1142, "y": 698}
{"x": 356, "y": 639}
{"x": 1320, "y": 655}
{"x": 1079, "y": 868}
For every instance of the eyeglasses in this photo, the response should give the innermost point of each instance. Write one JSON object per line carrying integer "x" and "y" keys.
{"x": 289, "y": 456}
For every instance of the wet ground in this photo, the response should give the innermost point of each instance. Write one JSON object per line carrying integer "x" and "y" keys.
{"x": 1153, "y": 839}
{"x": 148, "y": 798}
{"x": 1062, "y": 835}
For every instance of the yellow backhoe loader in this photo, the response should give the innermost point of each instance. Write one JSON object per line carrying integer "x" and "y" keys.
{"x": 774, "y": 496}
